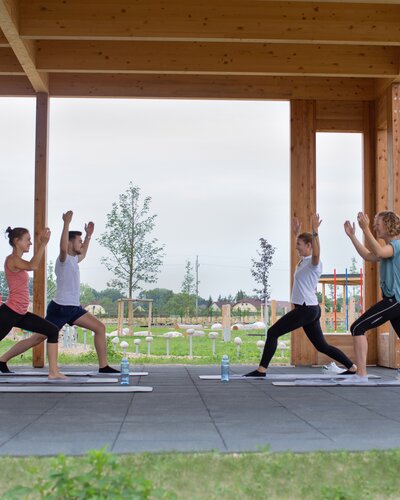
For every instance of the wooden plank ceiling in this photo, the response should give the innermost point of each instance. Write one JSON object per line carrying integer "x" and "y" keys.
{"x": 243, "y": 49}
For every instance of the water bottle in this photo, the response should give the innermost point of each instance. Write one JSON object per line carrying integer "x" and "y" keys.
{"x": 225, "y": 368}
{"x": 124, "y": 371}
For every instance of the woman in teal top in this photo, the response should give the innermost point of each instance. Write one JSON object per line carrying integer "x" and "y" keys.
{"x": 387, "y": 228}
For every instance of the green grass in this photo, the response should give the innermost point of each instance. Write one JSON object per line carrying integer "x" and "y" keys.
{"x": 318, "y": 475}
{"x": 179, "y": 350}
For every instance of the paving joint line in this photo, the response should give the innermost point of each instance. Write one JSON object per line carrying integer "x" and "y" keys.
{"x": 208, "y": 410}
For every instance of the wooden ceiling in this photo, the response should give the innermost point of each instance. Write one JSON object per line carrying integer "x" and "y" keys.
{"x": 243, "y": 49}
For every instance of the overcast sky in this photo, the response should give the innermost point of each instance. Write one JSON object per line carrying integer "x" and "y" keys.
{"x": 217, "y": 173}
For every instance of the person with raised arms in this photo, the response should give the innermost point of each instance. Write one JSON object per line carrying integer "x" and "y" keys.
{"x": 65, "y": 308}
{"x": 306, "y": 312}
{"x": 387, "y": 228}
{"x": 14, "y": 313}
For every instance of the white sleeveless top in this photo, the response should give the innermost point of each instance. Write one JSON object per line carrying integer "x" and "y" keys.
{"x": 68, "y": 281}
{"x": 305, "y": 281}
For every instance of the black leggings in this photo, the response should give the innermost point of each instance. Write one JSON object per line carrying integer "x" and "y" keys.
{"x": 28, "y": 321}
{"x": 308, "y": 318}
{"x": 388, "y": 309}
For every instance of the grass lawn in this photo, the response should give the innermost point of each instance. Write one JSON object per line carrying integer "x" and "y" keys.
{"x": 179, "y": 350}
{"x": 319, "y": 475}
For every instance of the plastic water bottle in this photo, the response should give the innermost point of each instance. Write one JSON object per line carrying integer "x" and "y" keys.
{"x": 124, "y": 371}
{"x": 225, "y": 368}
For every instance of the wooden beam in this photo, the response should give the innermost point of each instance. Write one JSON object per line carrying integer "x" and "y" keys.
{"x": 216, "y": 58}
{"x": 209, "y": 87}
{"x": 3, "y": 40}
{"x": 302, "y": 200}
{"x": 339, "y": 116}
{"x": 40, "y": 222}
{"x": 369, "y": 203}
{"x": 213, "y": 20}
{"x": 24, "y": 50}
{"x": 12, "y": 86}
{"x": 9, "y": 64}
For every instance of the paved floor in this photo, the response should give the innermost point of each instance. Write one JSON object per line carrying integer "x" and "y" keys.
{"x": 185, "y": 413}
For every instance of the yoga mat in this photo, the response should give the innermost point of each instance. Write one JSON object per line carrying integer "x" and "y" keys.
{"x": 85, "y": 388}
{"x": 337, "y": 383}
{"x": 36, "y": 373}
{"x": 281, "y": 376}
{"x": 45, "y": 380}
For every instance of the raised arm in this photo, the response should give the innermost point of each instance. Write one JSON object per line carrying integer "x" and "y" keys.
{"x": 379, "y": 251}
{"x": 89, "y": 228}
{"x": 296, "y": 227}
{"x": 67, "y": 217}
{"x": 17, "y": 263}
{"x": 315, "y": 223}
{"x": 350, "y": 230}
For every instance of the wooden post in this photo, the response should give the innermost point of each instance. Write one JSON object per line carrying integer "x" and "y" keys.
{"x": 303, "y": 200}
{"x": 273, "y": 312}
{"x": 40, "y": 218}
{"x": 370, "y": 188}
{"x": 226, "y": 322}
{"x": 149, "y": 320}
{"x": 130, "y": 316}
{"x": 120, "y": 317}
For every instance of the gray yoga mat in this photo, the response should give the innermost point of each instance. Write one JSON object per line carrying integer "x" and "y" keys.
{"x": 337, "y": 383}
{"x": 36, "y": 373}
{"x": 85, "y": 388}
{"x": 45, "y": 380}
{"x": 282, "y": 376}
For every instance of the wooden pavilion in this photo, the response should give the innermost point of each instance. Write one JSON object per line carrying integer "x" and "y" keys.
{"x": 336, "y": 62}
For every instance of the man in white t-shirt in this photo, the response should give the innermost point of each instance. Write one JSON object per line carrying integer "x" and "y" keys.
{"x": 65, "y": 308}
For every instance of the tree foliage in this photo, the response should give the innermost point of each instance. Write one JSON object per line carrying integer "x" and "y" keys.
{"x": 135, "y": 257}
{"x": 260, "y": 268}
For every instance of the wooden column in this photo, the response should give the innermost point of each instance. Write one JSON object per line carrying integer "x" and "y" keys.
{"x": 41, "y": 174}
{"x": 370, "y": 200}
{"x": 303, "y": 200}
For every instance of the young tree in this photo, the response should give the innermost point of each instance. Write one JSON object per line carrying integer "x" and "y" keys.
{"x": 188, "y": 279}
{"x": 136, "y": 258}
{"x": 187, "y": 289}
{"x": 51, "y": 282}
{"x": 260, "y": 272}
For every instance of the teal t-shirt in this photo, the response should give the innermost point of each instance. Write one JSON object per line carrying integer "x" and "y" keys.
{"x": 390, "y": 272}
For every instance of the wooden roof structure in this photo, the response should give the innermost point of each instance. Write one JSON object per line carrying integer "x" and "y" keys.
{"x": 241, "y": 49}
{"x": 337, "y": 62}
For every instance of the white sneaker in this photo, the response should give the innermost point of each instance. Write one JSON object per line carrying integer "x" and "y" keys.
{"x": 354, "y": 380}
{"x": 332, "y": 369}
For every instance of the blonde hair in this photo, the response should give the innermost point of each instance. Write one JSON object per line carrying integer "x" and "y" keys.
{"x": 391, "y": 221}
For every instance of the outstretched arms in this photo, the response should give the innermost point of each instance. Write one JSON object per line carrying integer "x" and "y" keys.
{"x": 363, "y": 251}
{"x": 89, "y": 228}
{"x": 315, "y": 223}
{"x": 17, "y": 263}
{"x": 67, "y": 217}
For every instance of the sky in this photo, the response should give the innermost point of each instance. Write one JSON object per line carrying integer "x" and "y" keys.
{"x": 217, "y": 173}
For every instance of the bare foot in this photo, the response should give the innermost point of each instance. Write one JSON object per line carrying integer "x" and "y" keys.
{"x": 57, "y": 376}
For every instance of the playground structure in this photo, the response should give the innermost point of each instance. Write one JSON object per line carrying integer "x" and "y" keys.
{"x": 347, "y": 315}
{"x": 131, "y": 310}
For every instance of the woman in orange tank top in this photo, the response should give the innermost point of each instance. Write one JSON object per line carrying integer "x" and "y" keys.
{"x": 15, "y": 310}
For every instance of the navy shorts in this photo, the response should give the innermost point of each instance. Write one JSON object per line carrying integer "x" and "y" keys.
{"x": 61, "y": 315}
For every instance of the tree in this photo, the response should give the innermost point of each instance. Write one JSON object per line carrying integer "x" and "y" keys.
{"x": 135, "y": 257}
{"x": 260, "y": 268}
{"x": 260, "y": 272}
{"x": 240, "y": 295}
{"x": 51, "y": 282}
{"x": 160, "y": 297}
{"x": 3, "y": 286}
{"x": 187, "y": 289}
{"x": 88, "y": 294}
{"x": 188, "y": 280}
{"x": 354, "y": 269}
